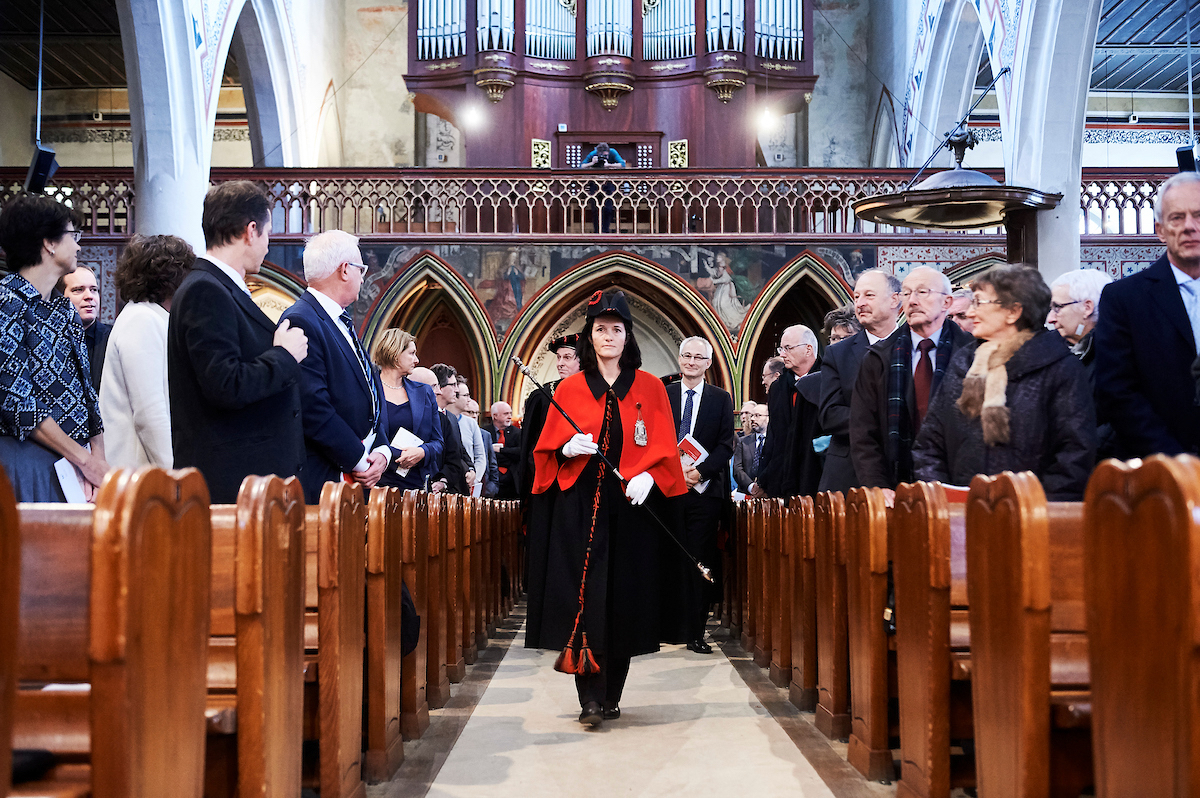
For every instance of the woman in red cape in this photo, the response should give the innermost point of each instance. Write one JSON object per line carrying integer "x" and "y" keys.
{"x": 593, "y": 548}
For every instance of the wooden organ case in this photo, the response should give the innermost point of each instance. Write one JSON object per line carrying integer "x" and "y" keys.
{"x": 672, "y": 83}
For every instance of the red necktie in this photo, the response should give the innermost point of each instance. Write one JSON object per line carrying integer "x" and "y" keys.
{"x": 923, "y": 380}
{"x": 503, "y": 469}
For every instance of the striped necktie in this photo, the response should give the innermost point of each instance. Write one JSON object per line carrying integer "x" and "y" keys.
{"x": 362, "y": 361}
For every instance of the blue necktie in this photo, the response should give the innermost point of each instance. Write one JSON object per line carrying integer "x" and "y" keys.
{"x": 685, "y": 423}
{"x": 362, "y": 361}
{"x": 1190, "y": 291}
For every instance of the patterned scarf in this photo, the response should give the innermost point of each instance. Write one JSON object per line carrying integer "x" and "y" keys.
{"x": 899, "y": 417}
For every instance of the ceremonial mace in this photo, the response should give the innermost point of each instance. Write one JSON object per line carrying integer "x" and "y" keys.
{"x": 704, "y": 569}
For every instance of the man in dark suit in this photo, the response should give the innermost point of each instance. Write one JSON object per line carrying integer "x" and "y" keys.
{"x": 506, "y": 444}
{"x": 897, "y": 381}
{"x": 788, "y": 465}
{"x": 233, "y": 376}
{"x": 341, "y": 396}
{"x": 455, "y": 461}
{"x": 1146, "y": 337}
{"x": 448, "y": 472}
{"x": 81, "y": 288}
{"x": 566, "y": 363}
{"x": 748, "y": 453}
{"x": 876, "y": 306}
{"x": 705, "y": 412}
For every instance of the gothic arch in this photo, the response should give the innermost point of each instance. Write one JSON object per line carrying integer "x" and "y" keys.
{"x": 805, "y": 270}
{"x": 261, "y": 43}
{"x": 414, "y": 297}
{"x": 962, "y": 273}
{"x": 671, "y": 295}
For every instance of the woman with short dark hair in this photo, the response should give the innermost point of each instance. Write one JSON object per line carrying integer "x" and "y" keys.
{"x": 48, "y": 408}
{"x": 1017, "y": 400}
{"x": 134, "y": 400}
{"x": 593, "y": 548}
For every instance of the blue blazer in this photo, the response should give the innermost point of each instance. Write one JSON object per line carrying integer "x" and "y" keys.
{"x": 1144, "y": 351}
{"x": 427, "y": 425}
{"x": 335, "y": 400}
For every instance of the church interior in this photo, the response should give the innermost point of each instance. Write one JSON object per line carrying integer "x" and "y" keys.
{"x": 453, "y": 138}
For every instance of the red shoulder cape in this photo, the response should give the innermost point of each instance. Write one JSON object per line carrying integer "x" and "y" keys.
{"x": 660, "y": 456}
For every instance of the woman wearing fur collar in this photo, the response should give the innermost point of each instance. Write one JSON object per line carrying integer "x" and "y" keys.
{"x": 1017, "y": 400}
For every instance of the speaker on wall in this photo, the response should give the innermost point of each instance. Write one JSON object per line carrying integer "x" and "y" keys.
{"x": 1186, "y": 156}
{"x": 41, "y": 169}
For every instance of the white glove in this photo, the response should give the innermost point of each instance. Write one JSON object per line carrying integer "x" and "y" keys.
{"x": 639, "y": 487}
{"x": 580, "y": 443}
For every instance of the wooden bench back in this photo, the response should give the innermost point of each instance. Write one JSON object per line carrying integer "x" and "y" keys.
{"x": 781, "y": 593}
{"x": 929, "y": 574}
{"x": 118, "y": 597}
{"x": 833, "y": 666}
{"x": 867, "y": 564}
{"x": 335, "y": 543}
{"x": 802, "y": 691}
{"x": 384, "y": 746}
{"x": 1142, "y": 578}
{"x": 435, "y": 619}
{"x": 10, "y": 613}
{"x": 451, "y": 532}
{"x": 1028, "y": 636}
{"x": 414, "y": 706}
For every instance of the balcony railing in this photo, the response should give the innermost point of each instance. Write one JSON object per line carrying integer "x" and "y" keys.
{"x": 437, "y": 203}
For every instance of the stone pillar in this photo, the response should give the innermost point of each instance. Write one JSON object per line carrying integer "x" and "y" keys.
{"x": 172, "y": 137}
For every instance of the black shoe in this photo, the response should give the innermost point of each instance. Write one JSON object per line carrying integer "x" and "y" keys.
{"x": 592, "y": 714}
{"x": 700, "y": 647}
{"x": 611, "y": 711}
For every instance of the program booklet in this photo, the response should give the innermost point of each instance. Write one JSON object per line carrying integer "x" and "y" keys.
{"x": 405, "y": 439}
{"x": 692, "y": 454}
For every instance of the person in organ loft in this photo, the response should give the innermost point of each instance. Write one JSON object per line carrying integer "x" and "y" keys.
{"x": 593, "y": 550}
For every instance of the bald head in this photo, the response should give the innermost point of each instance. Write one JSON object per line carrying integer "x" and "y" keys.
{"x": 422, "y": 374}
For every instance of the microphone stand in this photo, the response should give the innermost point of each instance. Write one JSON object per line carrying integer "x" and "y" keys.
{"x": 705, "y": 571}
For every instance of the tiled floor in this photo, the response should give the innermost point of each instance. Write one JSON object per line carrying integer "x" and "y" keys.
{"x": 695, "y": 725}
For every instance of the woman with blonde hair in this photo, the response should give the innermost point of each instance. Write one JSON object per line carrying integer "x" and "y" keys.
{"x": 408, "y": 405}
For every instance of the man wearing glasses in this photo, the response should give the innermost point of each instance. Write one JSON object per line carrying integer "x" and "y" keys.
{"x": 788, "y": 465}
{"x": 705, "y": 412}
{"x": 340, "y": 391}
{"x": 897, "y": 380}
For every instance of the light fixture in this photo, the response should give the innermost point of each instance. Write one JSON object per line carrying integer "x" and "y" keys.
{"x": 472, "y": 117}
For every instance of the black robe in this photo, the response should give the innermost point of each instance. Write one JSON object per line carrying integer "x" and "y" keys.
{"x": 788, "y": 465}
{"x": 622, "y": 614}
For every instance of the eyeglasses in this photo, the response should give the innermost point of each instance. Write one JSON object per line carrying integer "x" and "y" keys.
{"x": 75, "y": 234}
{"x": 362, "y": 268}
{"x": 697, "y": 358}
{"x": 921, "y": 293}
{"x": 785, "y": 348}
{"x": 976, "y": 302}
{"x": 960, "y": 316}
{"x": 1056, "y": 307}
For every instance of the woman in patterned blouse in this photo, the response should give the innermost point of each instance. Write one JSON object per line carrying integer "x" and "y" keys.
{"x": 48, "y": 408}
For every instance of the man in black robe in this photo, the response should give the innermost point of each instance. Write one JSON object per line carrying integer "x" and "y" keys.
{"x": 788, "y": 465}
{"x": 536, "y": 405}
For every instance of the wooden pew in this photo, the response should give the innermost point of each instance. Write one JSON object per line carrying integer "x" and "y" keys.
{"x": 802, "y": 691}
{"x": 932, "y": 641}
{"x": 335, "y": 546}
{"x": 1142, "y": 590}
{"x": 10, "y": 614}
{"x": 466, "y": 522}
{"x": 1029, "y": 646}
{"x": 414, "y": 558}
{"x": 384, "y": 749}
{"x": 434, "y": 621}
{"x": 767, "y": 592}
{"x": 752, "y": 599}
{"x": 479, "y": 572}
{"x": 117, "y": 597}
{"x": 872, "y": 665}
{"x": 737, "y": 587}
{"x": 450, "y": 520}
{"x": 833, "y": 656}
{"x": 781, "y": 611}
{"x": 256, "y": 644}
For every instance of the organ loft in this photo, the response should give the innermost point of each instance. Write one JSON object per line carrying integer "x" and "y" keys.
{"x": 667, "y": 83}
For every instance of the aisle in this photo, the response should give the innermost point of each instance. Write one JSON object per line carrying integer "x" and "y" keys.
{"x": 690, "y": 726}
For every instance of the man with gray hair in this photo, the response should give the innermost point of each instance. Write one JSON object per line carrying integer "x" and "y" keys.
{"x": 876, "y": 308}
{"x": 960, "y": 303}
{"x": 705, "y": 412}
{"x": 789, "y": 465}
{"x": 1146, "y": 338}
{"x": 897, "y": 380}
{"x": 506, "y": 449}
{"x": 341, "y": 397}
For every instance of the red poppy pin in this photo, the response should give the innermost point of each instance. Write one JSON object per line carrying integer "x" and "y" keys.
{"x": 596, "y": 297}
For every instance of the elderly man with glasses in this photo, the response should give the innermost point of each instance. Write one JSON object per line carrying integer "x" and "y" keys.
{"x": 789, "y": 466}
{"x": 897, "y": 380}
